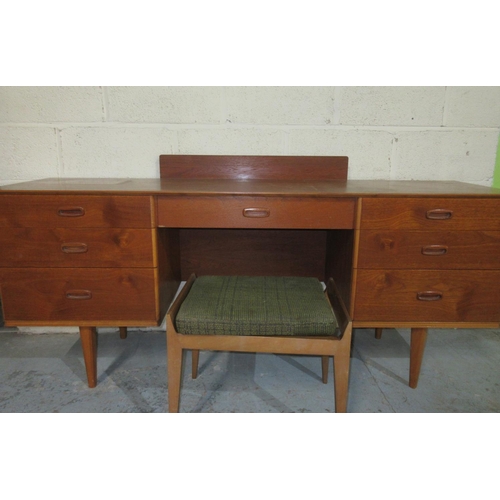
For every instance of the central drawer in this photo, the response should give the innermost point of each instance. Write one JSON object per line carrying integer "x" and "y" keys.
{"x": 256, "y": 212}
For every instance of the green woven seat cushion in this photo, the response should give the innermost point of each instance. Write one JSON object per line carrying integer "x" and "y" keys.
{"x": 242, "y": 305}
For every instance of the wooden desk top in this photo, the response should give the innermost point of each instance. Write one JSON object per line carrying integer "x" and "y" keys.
{"x": 217, "y": 187}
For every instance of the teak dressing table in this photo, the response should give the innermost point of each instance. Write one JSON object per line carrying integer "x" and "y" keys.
{"x": 113, "y": 252}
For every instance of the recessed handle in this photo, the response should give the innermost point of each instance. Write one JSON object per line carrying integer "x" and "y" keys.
{"x": 439, "y": 214}
{"x": 429, "y": 296}
{"x": 71, "y": 212}
{"x": 79, "y": 294}
{"x": 256, "y": 212}
{"x": 434, "y": 250}
{"x": 74, "y": 247}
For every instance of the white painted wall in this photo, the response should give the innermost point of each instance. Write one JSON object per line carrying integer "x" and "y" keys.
{"x": 387, "y": 132}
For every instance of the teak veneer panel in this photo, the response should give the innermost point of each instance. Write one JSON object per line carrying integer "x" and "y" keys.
{"x": 65, "y": 247}
{"x": 253, "y": 167}
{"x": 388, "y": 249}
{"x": 392, "y": 296}
{"x": 80, "y": 297}
{"x": 253, "y": 252}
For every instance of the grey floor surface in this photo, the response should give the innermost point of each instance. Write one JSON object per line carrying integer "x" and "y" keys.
{"x": 42, "y": 373}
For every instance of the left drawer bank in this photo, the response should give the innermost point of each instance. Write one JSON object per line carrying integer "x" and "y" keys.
{"x": 79, "y": 260}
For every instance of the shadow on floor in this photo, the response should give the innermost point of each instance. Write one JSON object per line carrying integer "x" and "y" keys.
{"x": 45, "y": 373}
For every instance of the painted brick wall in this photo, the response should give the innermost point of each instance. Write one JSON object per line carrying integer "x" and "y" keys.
{"x": 387, "y": 132}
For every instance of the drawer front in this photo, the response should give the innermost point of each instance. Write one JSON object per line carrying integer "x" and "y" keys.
{"x": 427, "y": 296}
{"x": 429, "y": 249}
{"x": 256, "y": 212}
{"x": 78, "y": 296}
{"x": 438, "y": 214}
{"x": 75, "y": 211}
{"x": 61, "y": 247}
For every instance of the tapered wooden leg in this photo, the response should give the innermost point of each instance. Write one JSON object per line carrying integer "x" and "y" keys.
{"x": 174, "y": 371}
{"x": 378, "y": 333}
{"x": 417, "y": 347}
{"x": 88, "y": 338}
{"x": 341, "y": 366}
{"x": 123, "y": 332}
{"x": 195, "y": 357}
{"x": 324, "y": 368}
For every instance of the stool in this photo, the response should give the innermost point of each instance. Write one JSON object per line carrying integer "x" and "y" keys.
{"x": 283, "y": 315}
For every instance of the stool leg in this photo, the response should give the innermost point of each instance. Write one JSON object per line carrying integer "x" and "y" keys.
{"x": 324, "y": 368}
{"x": 174, "y": 371}
{"x": 123, "y": 332}
{"x": 341, "y": 363}
{"x": 378, "y": 333}
{"x": 195, "y": 357}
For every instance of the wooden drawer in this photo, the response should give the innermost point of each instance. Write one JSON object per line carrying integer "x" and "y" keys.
{"x": 79, "y": 296}
{"x": 427, "y": 296}
{"x": 20, "y": 210}
{"x": 62, "y": 247}
{"x": 439, "y": 214}
{"x": 429, "y": 249}
{"x": 256, "y": 212}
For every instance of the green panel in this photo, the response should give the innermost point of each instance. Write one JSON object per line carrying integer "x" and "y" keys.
{"x": 496, "y": 175}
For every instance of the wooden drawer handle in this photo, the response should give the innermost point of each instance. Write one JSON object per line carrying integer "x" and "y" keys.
{"x": 79, "y": 294}
{"x": 434, "y": 250}
{"x": 439, "y": 214}
{"x": 256, "y": 212}
{"x": 429, "y": 296}
{"x": 71, "y": 212}
{"x": 74, "y": 247}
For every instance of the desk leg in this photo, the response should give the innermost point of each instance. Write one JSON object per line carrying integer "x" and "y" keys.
{"x": 123, "y": 332}
{"x": 324, "y": 368}
{"x": 195, "y": 359}
{"x": 417, "y": 347}
{"x": 88, "y": 338}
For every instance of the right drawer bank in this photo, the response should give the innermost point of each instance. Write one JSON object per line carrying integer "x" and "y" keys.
{"x": 428, "y": 260}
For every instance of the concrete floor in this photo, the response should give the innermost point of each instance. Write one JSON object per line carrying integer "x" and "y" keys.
{"x": 45, "y": 373}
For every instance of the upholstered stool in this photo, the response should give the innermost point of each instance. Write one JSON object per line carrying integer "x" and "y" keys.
{"x": 285, "y": 315}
